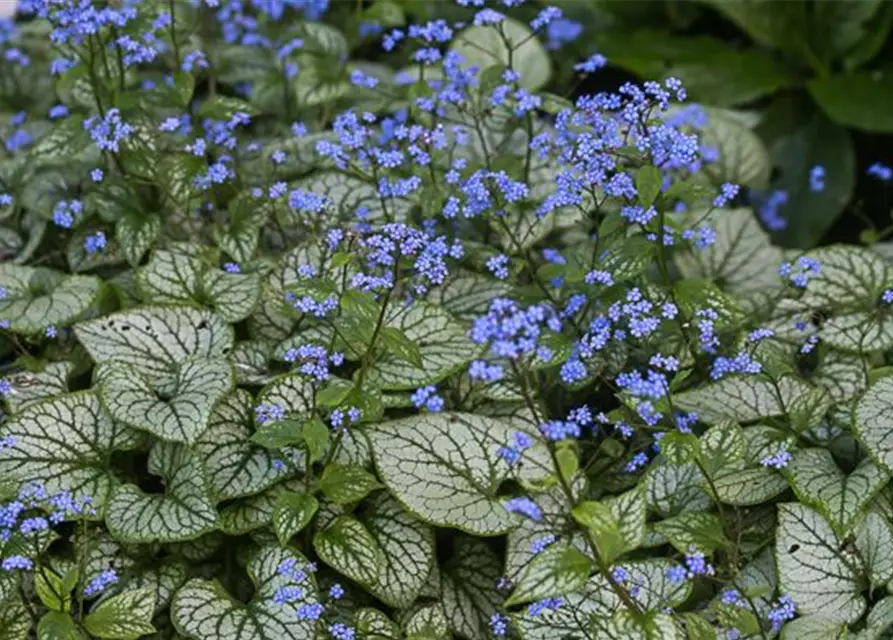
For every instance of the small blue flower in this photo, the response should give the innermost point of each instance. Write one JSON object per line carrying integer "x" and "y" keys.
{"x": 881, "y": 172}
{"x": 817, "y": 179}
{"x": 95, "y": 243}
{"x": 782, "y": 611}
{"x": 525, "y": 506}
{"x": 336, "y": 591}
{"x": 426, "y": 397}
{"x": 499, "y": 625}
{"x": 16, "y": 562}
{"x": 100, "y": 583}
{"x": 592, "y": 64}
{"x": 57, "y": 111}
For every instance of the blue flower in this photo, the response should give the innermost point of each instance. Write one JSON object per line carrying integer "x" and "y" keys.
{"x": 498, "y": 266}
{"x": 108, "y": 132}
{"x": 95, "y": 243}
{"x": 880, "y": 171}
{"x": 426, "y": 397}
{"x": 525, "y": 506}
{"x": 817, "y": 179}
{"x": 100, "y": 583}
{"x": 562, "y": 31}
{"x": 16, "y": 562}
{"x": 499, "y": 624}
{"x": 57, "y": 111}
{"x": 782, "y": 611}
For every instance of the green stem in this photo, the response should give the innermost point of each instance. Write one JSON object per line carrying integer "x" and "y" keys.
{"x": 173, "y": 30}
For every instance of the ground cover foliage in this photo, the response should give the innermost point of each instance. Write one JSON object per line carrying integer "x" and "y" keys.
{"x": 337, "y": 321}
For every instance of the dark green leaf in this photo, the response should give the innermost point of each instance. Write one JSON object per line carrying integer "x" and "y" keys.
{"x": 648, "y": 181}
{"x": 279, "y": 434}
{"x": 57, "y": 626}
{"x": 860, "y": 100}
{"x": 343, "y": 484}
{"x": 291, "y": 513}
{"x": 396, "y": 342}
{"x": 799, "y": 139}
{"x": 334, "y": 393}
{"x": 316, "y": 438}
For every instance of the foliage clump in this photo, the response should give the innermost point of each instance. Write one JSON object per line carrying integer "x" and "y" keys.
{"x": 304, "y": 341}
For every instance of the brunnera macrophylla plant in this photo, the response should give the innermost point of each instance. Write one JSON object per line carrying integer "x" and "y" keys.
{"x": 303, "y": 345}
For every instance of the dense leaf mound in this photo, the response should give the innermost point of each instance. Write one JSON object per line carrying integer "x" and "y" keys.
{"x": 339, "y": 321}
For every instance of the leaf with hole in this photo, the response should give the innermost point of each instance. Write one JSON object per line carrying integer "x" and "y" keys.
{"x": 814, "y": 567}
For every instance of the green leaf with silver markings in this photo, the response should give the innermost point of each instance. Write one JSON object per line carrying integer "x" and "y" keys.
{"x": 425, "y": 621}
{"x": 721, "y": 445}
{"x": 839, "y": 497}
{"x": 291, "y": 391}
{"x": 235, "y": 466}
{"x": 467, "y": 295}
{"x": 136, "y": 233}
{"x": 171, "y": 277}
{"x": 126, "y": 616}
{"x": 442, "y": 343}
{"x": 184, "y": 512}
{"x": 161, "y": 580}
{"x": 484, "y": 47}
{"x": 703, "y": 531}
{"x": 15, "y": 623}
{"x": 347, "y": 546}
{"x": 743, "y": 158}
{"x": 745, "y": 398}
{"x": 873, "y": 422}
{"x": 153, "y": 340}
{"x": 37, "y": 298}
{"x": 64, "y": 444}
{"x": 444, "y": 468}
{"x": 744, "y": 485}
{"x": 407, "y": 546}
{"x": 556, "y": 571}
{"x": 874, "y": 540}
{"x": 344, "y": 484}
{"x": 741, "y": 260}
{"x": 203, "y": 610}
{"x": 254, "y": 512}
{"x": 814, "y": 628}
{"x": 858, "y": 332}
{"x": 291, "y": 513}
{"x": 879, "y": 620}
{"x": 178, "y": 277}
{"x": 851, "y": 278}
{"x": 57, "y": 626}
{"x": 30, "y": 387}
{"x": 178, "y": 411}
{"x": 468, "y": 587}
{"x": 814, "y": 569}
{"x": 373, "y": 624}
